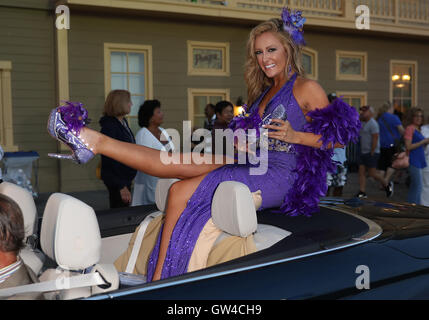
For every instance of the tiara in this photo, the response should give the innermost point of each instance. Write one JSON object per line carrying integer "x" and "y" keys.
{"x": 293, "y": 23}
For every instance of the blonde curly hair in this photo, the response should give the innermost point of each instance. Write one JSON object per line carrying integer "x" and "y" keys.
{"x": 255, "y": 78}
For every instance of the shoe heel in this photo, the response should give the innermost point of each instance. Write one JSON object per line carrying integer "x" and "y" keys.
{"x": 62, "y": 156}
{"x": 83, "y": 155}
{"x": 80, "y": 156}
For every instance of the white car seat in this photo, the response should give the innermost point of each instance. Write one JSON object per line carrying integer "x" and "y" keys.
{"x": 70, "y": 235}
{"x": 233, "y": 211}
{"x": 31, "y": 256}
{"x": 161, "y": 192}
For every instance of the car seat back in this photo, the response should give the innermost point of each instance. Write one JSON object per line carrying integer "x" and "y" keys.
{"x": 31, "y": 256}
{"x": 70, "y": 235}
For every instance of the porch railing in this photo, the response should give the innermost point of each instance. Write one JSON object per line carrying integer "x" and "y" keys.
{"x": 396, "y": 12}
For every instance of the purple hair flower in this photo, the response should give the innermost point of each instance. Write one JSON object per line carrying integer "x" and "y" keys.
{"x": 293, "y": 23}
{"x": 74, "y": 115}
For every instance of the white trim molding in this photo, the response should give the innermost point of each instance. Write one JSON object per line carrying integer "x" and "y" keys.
{"x": 6, "y": 118}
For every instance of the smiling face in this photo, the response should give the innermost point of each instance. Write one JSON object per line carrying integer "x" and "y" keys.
{"x": 418, "y": 118}
{"x": 271, "y": 55}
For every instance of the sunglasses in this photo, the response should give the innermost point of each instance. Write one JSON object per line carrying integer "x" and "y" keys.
{"x": 363, "y": 108}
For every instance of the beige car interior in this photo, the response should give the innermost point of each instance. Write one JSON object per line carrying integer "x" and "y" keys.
{"x": 88, "y": 264}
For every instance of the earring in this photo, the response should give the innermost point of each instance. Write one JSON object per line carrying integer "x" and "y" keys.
{"x": 289, "y": 70}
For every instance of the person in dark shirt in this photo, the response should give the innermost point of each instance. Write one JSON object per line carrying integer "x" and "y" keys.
{"x": 391, "y": 130}
{"x": 209, "y": 111}
{"x": 224, "y": 114}
{"x": 116, "y": 176}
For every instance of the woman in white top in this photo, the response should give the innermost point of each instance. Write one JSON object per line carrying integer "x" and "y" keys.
{"x": 425, "y": 171}
{"x": 150, "y": 135}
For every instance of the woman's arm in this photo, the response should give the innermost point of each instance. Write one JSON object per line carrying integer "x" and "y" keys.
{"x": 310, "y": 96}
{"x": 411, "y": 146}
{"x": 408, "y": 138}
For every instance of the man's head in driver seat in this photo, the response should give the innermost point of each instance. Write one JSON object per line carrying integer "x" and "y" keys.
{"x": 13, "y": 272}
{"x": 12, "y": 232}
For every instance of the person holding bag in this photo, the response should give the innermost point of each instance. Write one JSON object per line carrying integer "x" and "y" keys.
{"x": 391, "y": 131}
{"x": 415, "y": 142}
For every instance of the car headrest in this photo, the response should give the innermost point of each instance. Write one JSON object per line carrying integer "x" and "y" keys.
{"x": 161, "y": 192}
{"x": 233, "y": 209}
{"x": 25, "y": 201}
{"x": 70, "y": 234}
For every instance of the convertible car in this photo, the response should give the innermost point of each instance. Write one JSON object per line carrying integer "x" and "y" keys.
{"x": 351, "y": 249}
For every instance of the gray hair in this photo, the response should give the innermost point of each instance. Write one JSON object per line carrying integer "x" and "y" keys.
{"x": 12, "y": 232}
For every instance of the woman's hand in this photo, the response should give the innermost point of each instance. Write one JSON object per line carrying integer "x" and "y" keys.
{"x": 125, "y": 195}
{"x": 243, "y": 149}
{"x": 283, "y": 131}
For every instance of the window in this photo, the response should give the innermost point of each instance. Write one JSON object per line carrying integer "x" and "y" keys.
{"x": 351, "y": 65}
{"x": 129, "y": 67}
{"x": 403, "y": 84}
{"x": 199, "y": 98}
{"x": 353, "y": 98}
{"x": 310, "y": 63}
{"x": 6, "y": 126}
{"x": 208, "y": 58}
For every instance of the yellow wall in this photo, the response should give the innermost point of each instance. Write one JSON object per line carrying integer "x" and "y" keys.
{"x": 27, "y": 39}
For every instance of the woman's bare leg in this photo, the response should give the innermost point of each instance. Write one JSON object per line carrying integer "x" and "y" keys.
{"x": 145, "y": 159}
{"x": 178, "y": 196}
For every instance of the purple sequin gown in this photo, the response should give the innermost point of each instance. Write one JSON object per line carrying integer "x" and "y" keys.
{"x": 274, "y": 184}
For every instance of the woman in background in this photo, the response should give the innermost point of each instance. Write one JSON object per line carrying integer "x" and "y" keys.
{"x": 224, "y": 111}
{"x": 415, "y": 143}
{"x": 153, "y": 136}
{"x": 425, "y": 172}
{"x": 116, "y": 176}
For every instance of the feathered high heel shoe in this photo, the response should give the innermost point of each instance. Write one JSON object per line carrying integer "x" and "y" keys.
{"x": 64, "y": 124}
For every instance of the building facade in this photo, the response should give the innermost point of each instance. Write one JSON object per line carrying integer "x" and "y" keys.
{"x": 186, "y": 54}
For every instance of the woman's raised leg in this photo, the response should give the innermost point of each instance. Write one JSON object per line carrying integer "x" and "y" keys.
{"x": 145, "y": 159}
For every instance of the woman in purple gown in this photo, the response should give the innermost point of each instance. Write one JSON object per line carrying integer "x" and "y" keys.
{"x": 299, "y": 148}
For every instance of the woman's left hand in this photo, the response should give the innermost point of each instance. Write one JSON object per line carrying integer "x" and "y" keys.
{"x": 283, "y": 131}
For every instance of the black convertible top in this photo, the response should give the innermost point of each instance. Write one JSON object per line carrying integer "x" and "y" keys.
{"x": 324, "y": 229}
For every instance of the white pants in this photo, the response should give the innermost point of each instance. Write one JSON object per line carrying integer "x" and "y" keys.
{"x": 425, "y": 191}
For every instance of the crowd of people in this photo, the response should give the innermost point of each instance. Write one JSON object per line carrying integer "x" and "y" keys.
{"x": 389, "y": 145}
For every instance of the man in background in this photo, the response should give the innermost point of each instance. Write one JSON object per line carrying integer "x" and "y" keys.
{"x": 370, "y": 152}
{"x": 209, "y": 111}
{"x": 13, "y": 271}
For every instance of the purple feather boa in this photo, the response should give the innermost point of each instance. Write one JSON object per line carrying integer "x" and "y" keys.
{"x": 338, "y": 122}
{"x": 246, "y": 121}
{"x": 74, "y": 115}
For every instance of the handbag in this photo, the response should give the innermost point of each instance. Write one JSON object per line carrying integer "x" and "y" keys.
{"x": 401, "y": 161}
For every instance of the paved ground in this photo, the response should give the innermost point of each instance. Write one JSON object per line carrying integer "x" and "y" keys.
{"x": 99, "y": 199}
